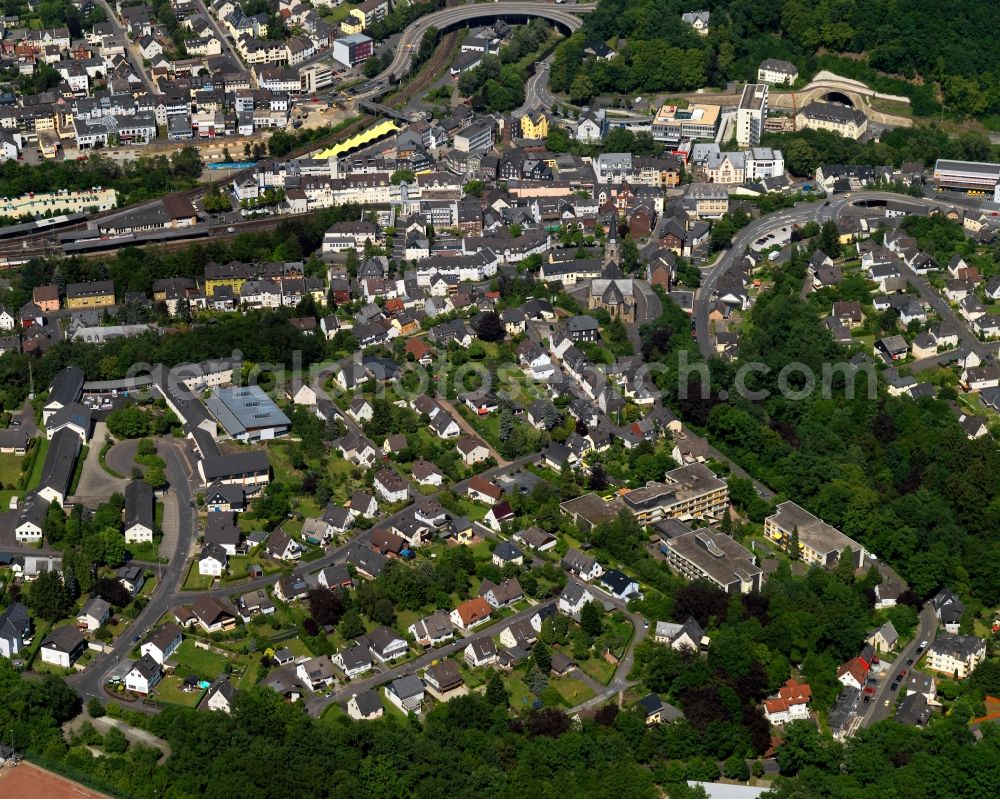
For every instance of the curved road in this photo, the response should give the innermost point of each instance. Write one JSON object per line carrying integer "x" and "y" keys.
{"x": 90, "y": 681}
{"x": 536, "y": 90}
{"x": 567, "y": 16}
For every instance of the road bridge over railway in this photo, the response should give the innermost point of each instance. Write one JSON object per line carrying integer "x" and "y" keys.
{"x": 566, "y": 17}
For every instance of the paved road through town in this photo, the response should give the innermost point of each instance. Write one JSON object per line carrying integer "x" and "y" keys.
{"x": 876, "y": 709}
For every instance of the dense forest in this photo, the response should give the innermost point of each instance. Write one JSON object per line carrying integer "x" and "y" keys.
{"x": 918, "y": 42}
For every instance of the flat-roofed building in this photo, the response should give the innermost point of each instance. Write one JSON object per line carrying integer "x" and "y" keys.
{"x": 707, "y": 554}
{"x": 690, "y": 492}
{"x": 697, "y": 121}
{"x": 819, "y": 543}
{"x": 751, "y": 114}
{"x": 975, "y": 176}
{"x": 248, "y": 469}
{"x": 590, "y": 510}
{"x": 248, "y": 414}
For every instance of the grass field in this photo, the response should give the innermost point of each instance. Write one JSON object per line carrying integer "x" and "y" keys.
{"x": 146, "y": 552}
{"x": 192, "y": 660}
{"x": 195, "y": 581}
{"x": 337, "y": 15}
{"x": 572, "y": 690}
{"x": 599, "y": 669}
{"x": 520, "y": 696}
{"x": 10, "y": 469}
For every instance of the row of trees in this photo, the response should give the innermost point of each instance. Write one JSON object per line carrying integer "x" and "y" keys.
{"x": 135, "y": 180}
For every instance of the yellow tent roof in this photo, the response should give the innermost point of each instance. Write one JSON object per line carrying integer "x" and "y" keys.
{"x": 383, "y": 128}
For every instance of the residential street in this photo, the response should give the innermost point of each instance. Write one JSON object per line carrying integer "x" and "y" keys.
{"x": 90, "y": 681}
{"x": 876, "y": 708}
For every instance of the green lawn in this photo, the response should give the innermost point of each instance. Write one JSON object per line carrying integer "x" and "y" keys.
{"x": 337, "y": 15}
{"x": 405, "y": 618}
{"x": 192, "y": 660}
{"x": 147, "y": 552}
{"x": 295, "y": 645}
{"x": 572, "y": 690}
{"x": 520, "y": 696}
{"x": 195, "y": 581}
{"x": 481, "y": 551}
{"x": 10, "y": 470}
{"x": 168, "y": 690}
{"x": 36, "y": 471}
{"x": 390, "y": 708}
{"x": 599, "y": 669}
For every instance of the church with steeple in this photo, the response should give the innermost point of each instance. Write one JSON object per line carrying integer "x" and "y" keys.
{"x": 612, "y": 291}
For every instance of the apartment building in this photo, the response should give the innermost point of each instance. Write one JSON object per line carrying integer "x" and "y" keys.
{"x": 956, "y": 655}
{"x": 707, "y": 554}
{"x": 698, "y": 121}
{"x": 707, "y": 200}
{"x": 751, "y": 114}
{"x": 819, "y": 543}
{"x": 690, "y": 492}
{"x": 96, "y": 294}
{"x": 777, "y": 72}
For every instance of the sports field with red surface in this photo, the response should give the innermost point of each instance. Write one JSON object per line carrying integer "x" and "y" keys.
{"x": 26, "y": 781}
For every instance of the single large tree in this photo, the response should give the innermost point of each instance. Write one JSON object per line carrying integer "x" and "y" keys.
{"x": 49, "y": 598}
{"x": 496, "y": 692}
{"x": 112, "y": 592}
{"x": 326, "y": 606}
{"x": 590, "y": 619}
{"x": 489, "y": 327}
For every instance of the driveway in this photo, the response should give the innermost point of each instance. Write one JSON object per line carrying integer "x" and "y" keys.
{"x": 121, "y": 456}
{"x": 95, "y": 483}
{"x": 26, "y": 416}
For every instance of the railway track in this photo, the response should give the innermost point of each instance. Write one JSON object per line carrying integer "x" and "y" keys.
{"x": 429, "y": 73}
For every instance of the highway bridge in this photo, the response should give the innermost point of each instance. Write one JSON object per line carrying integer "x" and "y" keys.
{"x": 566, "y": 17}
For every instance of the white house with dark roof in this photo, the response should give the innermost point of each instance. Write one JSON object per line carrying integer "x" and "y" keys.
{"x": 221, "y": 695}
{"x": 139, "y": 512}
{"x": 63, "y": 646}
{"x": 143, "y": 676}
{"x": 163, "y": 643}
{"x": 573, "y": 597}
{"x": 480, "y": 652}
{"x": 94, "y": 614}
{"x": 355, "y": 660}
{"x": 365, "y": 706}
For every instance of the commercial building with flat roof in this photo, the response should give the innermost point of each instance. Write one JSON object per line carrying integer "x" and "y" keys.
{"x": 247, "y": 413}
{"x": 690, "y": 492}
{"x": 698, "y": 121}
{"x": 248, "y": 469}
{"x": 976, "y": 176}
{"x": 819, "y": 543}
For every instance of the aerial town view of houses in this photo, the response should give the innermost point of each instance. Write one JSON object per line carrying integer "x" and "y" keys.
{"x": 411, "y": 399}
